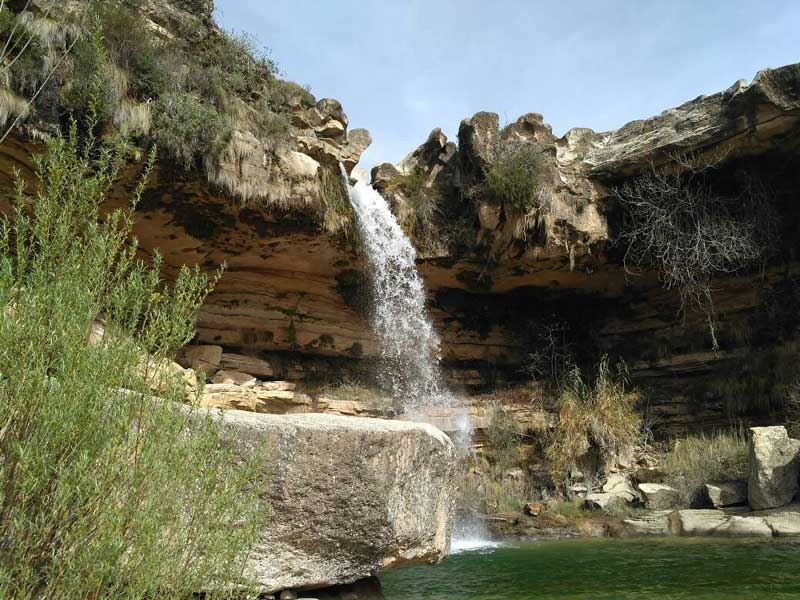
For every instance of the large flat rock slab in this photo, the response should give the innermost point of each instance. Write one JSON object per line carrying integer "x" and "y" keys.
{"x": 716, "y": 523}
{"x": 784, "y": 521}
{"x": 348, "y": 496}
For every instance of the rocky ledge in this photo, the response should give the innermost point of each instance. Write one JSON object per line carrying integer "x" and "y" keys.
{"x": 348, "y": 496}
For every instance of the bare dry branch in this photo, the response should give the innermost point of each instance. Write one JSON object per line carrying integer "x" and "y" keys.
{"x": 676, "y": 222}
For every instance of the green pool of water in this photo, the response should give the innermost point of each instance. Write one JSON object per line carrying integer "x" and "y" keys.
{"x": 662, "y": 569}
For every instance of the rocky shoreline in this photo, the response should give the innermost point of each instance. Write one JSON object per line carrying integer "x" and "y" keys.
{"x": 764, "y": 506}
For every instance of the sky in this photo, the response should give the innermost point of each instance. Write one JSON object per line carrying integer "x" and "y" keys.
{"x": 402, "y": 67}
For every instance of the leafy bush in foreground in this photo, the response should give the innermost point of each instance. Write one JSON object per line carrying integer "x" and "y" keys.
{"x": 103, "y": 492}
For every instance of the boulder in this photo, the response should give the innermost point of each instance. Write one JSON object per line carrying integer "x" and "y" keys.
{"x": 204, "y": 358}
{"x": 348, "y": 496}
{"x": 358, "y": 140}
{"x": 774, "y": 467}
{"x": 726, "y": 493}
{"x": 478, "y": 137}
{"x": 658, "y": 496}
{"x": 383, "y": 174}
{"x": 716, "y": 523}
{"x": 602, "y": 501}
{"x": 235, "y": 377}
{"x": 331, "y": 129}
{"x": 620, "y": 484}
{"x": 533, "y": 509}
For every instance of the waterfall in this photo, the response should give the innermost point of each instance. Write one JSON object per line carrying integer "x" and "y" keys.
{"x": 409, "y": 345}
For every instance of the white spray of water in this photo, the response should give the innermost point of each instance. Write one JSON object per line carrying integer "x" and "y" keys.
{"x": 410, "y": 347}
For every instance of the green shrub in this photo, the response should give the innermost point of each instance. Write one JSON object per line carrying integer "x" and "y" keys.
{"x": 184, "y": 128}
{"x": 198, "y": 7}
{"x": 23, "y": 53}
{"x": 91, "y": 79}
{"x": 597, "y": 416}
{"x": 700, "y": 459}
{"x": 105, "y": 492}
{"x": 231, "y": 64}
{"x": 282, "y": 94}
{"x": 569, "y": 509}
{"x": 516, "y": 177}
{"x": 131, "y": 45}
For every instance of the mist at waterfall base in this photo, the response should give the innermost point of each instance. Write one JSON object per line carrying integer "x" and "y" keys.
{"x": 409, "y": 346}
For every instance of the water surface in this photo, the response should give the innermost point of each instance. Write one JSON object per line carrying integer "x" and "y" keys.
{"x": 652, "y": 569}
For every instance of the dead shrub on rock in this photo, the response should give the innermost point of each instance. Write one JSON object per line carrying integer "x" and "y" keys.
{"x": 677, "y": 222}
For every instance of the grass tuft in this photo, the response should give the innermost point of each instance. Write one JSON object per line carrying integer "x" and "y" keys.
{"x": 700, "y": 459}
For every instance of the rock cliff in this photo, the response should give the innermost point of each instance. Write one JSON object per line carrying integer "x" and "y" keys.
{"x": 291, "y": 303}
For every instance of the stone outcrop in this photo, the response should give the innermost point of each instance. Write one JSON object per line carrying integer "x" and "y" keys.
{"x": 726, "y": 493}
{"x": 347, "y": 496}
{"x": 774, "y": 467}
{"x": 658, "y": 496}
{"x": 291, "y": 303}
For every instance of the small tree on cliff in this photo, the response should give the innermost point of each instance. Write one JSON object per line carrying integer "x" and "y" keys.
{"x": 105, "y": 491}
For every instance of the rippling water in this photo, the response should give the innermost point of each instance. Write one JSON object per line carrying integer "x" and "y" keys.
{"x": 657, "y": 569}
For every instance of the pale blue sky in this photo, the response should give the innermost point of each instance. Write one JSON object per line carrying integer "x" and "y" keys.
{"x": 402, "y": 67}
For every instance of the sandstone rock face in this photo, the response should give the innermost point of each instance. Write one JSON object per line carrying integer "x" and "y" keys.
{"x": 478, "y": 135}
{"x": 658, "y": 496}
{"x": 291, "y": 294}
{"x": 726, "y": 493}
{"x": 774, "y": 467}
{"x": 246, "y": 364}
{"x": 348, "y": 496}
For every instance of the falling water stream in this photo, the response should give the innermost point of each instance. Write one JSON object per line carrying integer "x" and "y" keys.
{"x": 409, "y": 346}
